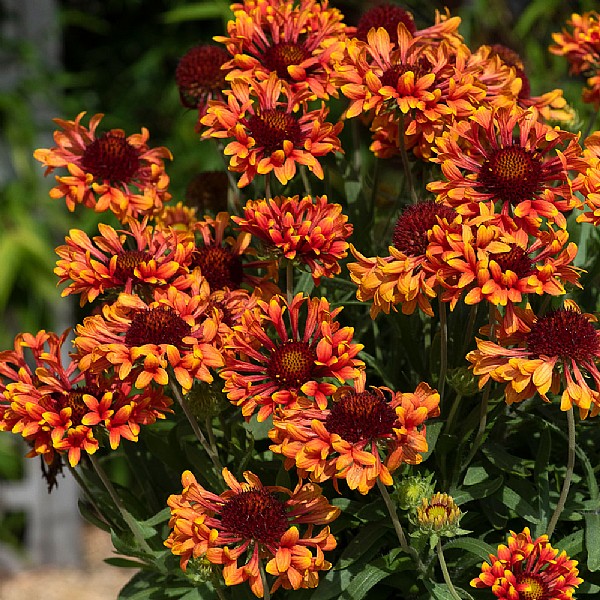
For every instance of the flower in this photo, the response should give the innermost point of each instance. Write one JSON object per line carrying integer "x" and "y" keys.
{"x": 439, "y": 514}
{"x": 402, "y": 277}
{"x": 525, "y": 174}
{"x": 529, "y": 568}
{"x": 307, "y": 231}
{"x": 59, "y": 410}
{"x": 558, "y": 350}
{"x": 140, "y": 340}
{"x": 251, "y": 522}
{"x": 347, "y": 439}
{"x": 108, "y": 262}
{"x": 589, "y": 179}
{"x": 264, "y": 372}
{"x": 387, "y": 16}
{"x": 200, "y": 76}
{"x": 268, "y": 135}
{"x": 298, "y": 42}
{"x": 108, "y": 171}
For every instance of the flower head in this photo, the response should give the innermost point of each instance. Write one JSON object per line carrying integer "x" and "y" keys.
{"x": 439, "y": 514}
{"x": 307, "y": 231}
{"x": 268, "y": 363}
{"x": 107, "y": 171}
{"x": 363, "y": 436}
{"x": 251, "y": 522}
{"x": 268, "y": 135}
{"x": 529, "y": 568}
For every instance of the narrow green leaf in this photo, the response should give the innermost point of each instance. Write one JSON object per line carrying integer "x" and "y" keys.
{"x": 360, "y": 544}
{"x": 518, "y": 503}
{"x": 592, "y": 540}
{"x": 197, "y": 12}
{"x": 541, "y": 479}
{"x": 473, "y": 545}
{"x": 433, "y": 433}
{"x": 369, "y": 576}
{"x": 477, "y": 491}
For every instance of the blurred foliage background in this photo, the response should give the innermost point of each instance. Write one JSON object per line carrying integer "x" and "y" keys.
{"x": 118, "y": 57}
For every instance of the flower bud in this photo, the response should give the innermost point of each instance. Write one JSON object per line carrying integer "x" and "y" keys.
{"x": 439, "y": 514}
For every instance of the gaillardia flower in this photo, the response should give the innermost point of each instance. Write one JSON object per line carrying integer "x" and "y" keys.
{"x": 107, "y": 171}
{"x": 558, "y": 350}
{"x": 508, "y": 157}
{"x": 141, "y": 340}
{"x": 363, "y": 436}
{"x": 268, "y": 363}
{"x": 251, "y": 522}
{"x": 307, "y": 231}
{"x": 439, "y": 514}
{"x": 268, "y": 134}
{"x": 529, "y": 569}
{"x": 59, "y": 410}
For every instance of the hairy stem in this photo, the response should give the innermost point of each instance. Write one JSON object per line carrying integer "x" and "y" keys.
{"x": 405, "y": 163}
{"x": 443, "y": 348}
{"x": 442, "y": 561}
{"x": 263, "y": 576}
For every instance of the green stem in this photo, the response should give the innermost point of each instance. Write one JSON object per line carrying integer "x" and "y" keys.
{"x": 469, "y": 330}
{"x": 442, "y": 561}
{"x": 233, "y": 198}
{"x": 452, "y": 414}
{"x": 90, "y": 496}
{"x": 398, "y": 527}
{"x": 443, "y": 348}
{"x": 127, "y": 517}
{"x": 568, "y": 475}
{"x": 305, "y": 180}
{"x": 289, "y": 281}
{"x": 212, "y": 452}
{"x": 405, "y": 162}
{"x": 483, "y": 409}
{"x": 267, "y": 186}
{"x": 263, "y": 576}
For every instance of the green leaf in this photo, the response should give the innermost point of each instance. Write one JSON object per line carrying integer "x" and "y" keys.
{"x": 477, "y": 491}
{"x": 433, "y": 433}
{"x": 124, "y": 563}
{"x": 473, "y": 545}
{"x": 368, "y": 576}
{"x": 197, "y": 12}
{"x": 572, "y": 544}
{"x": 500, "y": 458}
{"x": 519, "y": 505}
{"x": 440, "y": 591}
{"x": 360, "y": 544}
{"x": 541, "y": 479}
{"x": 592, "y": 540}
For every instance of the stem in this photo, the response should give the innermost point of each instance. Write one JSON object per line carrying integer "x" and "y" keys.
{"x": 398, "y": 527}
{"x": 90, "y": 496}
{"x": 482, "y": 423}
{"x": 568, "y": 475}
{"x": 233, "y": 199}
{"x": 305, "y": 180}
{"x": 443, "y": 348}
{"x": 212, "y": 452}
{"x": 263, "y": 576}
{"x": 469, "y": 330}
{"x": 442, "y": 560}
{"x": 267, "y": 186}
{"x": 452, "y": 413}
{"x": 405, "y": 163}
{"x": 289, "y": 281}
{"x": 127, "y": 517}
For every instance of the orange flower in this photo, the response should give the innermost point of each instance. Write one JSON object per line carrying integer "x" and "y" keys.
{"x": 589, "y": 180}
{"x": 108, "y": 171}
{"x": 347, "y": 439}
{"x": 304, "y": 231}
{"x": 264, "y": 372}
{"x": 297, "y": 41}
{"x": 59, "y": 410}
{"x": 529, "y": 568}
{"x": 142, "y": 340}
{"x": 106, "y": 263}
{"x": 559, "y": 350}
{"x": 268, "y": 134}
{"x": 524, "y": 172}
{"x": 252, "y": 522}
{"x": 403, "y": 277}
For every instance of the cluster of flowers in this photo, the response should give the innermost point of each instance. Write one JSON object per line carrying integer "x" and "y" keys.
{"x": 179, "y": 299}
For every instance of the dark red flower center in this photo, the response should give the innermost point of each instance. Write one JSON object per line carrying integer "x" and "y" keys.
{"x": 220, "y": 266}
{"x": 512, "y": 174}
{"x": 74, "y": 400}
{"x": 111, "y": 158}
{"x": 255, "y": 515}
{"x": 292, "y": 364}
{"x": 283, "y": 55}
{"x": 160, "y": 325}
{"x": 361, "y": 416}
{"x": 199, "y": 74}
{"x": 515, "y": 260}
{"x": 411, "y": 231}
{"x": 507, "y": 55}
{"x": 536, "y": 588}
{"x": 525, "y": 91}
{"x": 272, "y": 127}
{"x": 394, "y": 73}
{"x": 387, "y": 16}
{"x": 564, "y": 333}
{"x": 127, "y": 262}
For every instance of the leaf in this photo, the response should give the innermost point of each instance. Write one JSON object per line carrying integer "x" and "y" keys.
{"x": 197, "y": 12}
{"x": 473, "y": 545}
{"x": 500, "y": 458}
{"x": 541, "y": 479}
{"x": 433, "y": 433}
{"x": 477, "y": 491}
{"x": 517, "y": 503}
{"x": 440, "y": 591}
{"x": 124, "y": 563}
{"x": 359, "y": 545}
{"x": 592, "y": 540}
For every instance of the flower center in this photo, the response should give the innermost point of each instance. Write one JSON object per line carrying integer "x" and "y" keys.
{"x": 564, "y": 333}
{"x": 361, "y": 416}
{"x": 280, "y": 56}
{"x": 291, "y": 364}
{"x": 199, "y": 73}
{"x": 437, "y": 511}
{"x": 387, "y": 16}
{"x": 515, "y": 260}
{"x": 272, "y": 127}
{"x": 411, "y": 231}
{"x": 74, "y": 400}
{"x": 535, "y": 590}
{"x": 221, "y": 267}
{"x": 127, "y": 262}
{"x": 111, "y": 158}
{"x": 160, "y": 325}
{"x": 255, "y": 515}
{"x": 512, "y": 174}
